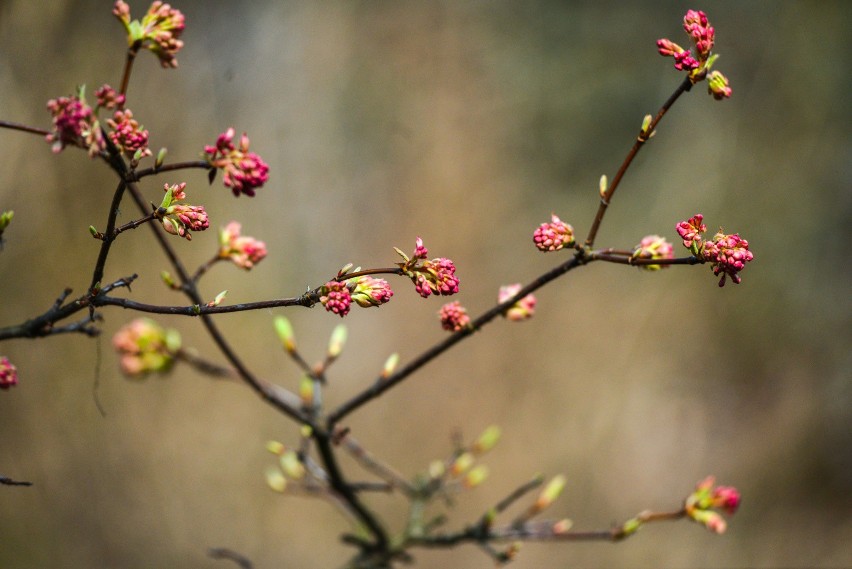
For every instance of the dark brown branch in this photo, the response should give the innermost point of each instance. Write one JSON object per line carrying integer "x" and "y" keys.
{"x": 23, "y": 128}
{"x": 145, "y": 172}
{"x": 196, "y": 309}
{"x": 629, "y": 260}
{"x": 347, "y": 493}
{"x": 128, "y": 66}
{"x": 269, "y": 392}
{"x": 225, "y": 553}
{"x": 5, "y": 480}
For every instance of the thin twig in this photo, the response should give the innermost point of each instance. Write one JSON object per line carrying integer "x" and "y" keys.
{"x": 643, "y": 137}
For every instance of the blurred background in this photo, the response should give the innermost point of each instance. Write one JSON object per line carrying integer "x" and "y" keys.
{"x": 466, "y": 123}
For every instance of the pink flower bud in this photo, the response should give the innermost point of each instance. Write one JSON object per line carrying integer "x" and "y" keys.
{"x": 653, "y": 247}
{"x": 244, "y": 171}
{"x": 728, "y": 255}
{"x": 690, "y": 231}
{"x": 8, "y": 373}
{"x": 145, "y": 347}
{"x": 109, "y": 98}
{"x": 701, "y": 503}
{"x": 553, "y": 236}
{"x": 158, "y": 31}
{"x": 685, "y": 62}
{"x": 727, "y": 498}
{"x": 193, "y": 217}
{"x": 74, "y": 124}
{"x": 367, "y": 291}
{"x": 453, "y": 316}
{"x": 522, "y": 309}
{"x": 668, "y": 48}
{"x": 336, "y": 298}
{"x": 420, "y": 251}
{"x": 180, "y": 219}
{"x": 128, "y": 135}
{"x": 244, "y": 251}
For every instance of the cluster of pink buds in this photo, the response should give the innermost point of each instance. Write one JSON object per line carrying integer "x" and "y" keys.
{"x": 128, "y": 135}
{"x": 145, "y": 347}
{"x": 728, "y": 254}
{"x": 703, "y": 36}
{"x": 108, "y": 98}
{"x": 702, "y": 503}
{"x": 690, "y": 231}
{"x": 523, "y": 308}
{"x": 553, "y": 236}
{"x": 158, "y": 31}
{"x": 180, "y": 219}
{"x": 653, "y": 247}
{"x": 453, "y": 316}
{"x": 74, "y": 124}
{"x": 367, "y": 291}
{"x": 437, "y": 276}
{"x": 336, "y": 298}
{"x": 8, "y": 373}
{"x": 244, "y": 171}
{"x": 242, "y": 250}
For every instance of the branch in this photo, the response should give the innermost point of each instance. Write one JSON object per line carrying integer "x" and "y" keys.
{"x": 269, "y": 392}
{"x": 5, "y": 480}
{"x": 643, "y": 137}
{"x": 23, "y": 128}
{"x": 225, "y": 553}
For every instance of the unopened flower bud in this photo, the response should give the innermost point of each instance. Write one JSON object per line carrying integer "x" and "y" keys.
{"x": 553, "y": 236}
{"x": 690, "y": 231}
{"x": 653, "y": 247}
{"x": 487, "y": 440}
{"x": 306, "y": 391}
{"x": 390, "y": 365}
{"x": 145, "y": 347}
{"x": 461, "y": 464}
{"x": 8, "y": 373}
{"x": 244, "y": 171}
{"x": 337, "y": 341}
{"x": 218, "y": 300}
{"x": 718, "y": 86}
{"x": 275, "y": 447}
{"x": 6, "y": 219}
{"x": 475, "y": 476}
{"x": 523, "y": 308}
{"x": 168, "y": 279}
{"x": 453, "y": 316}
{"x": 292, "y": 466}
{"x": 275, "y": 479}
{"x": 436, "y": 469}
{"x": 367, "y": 291}
{"x": 550, "y": 493}
{"x": 161, "y": 157}
{"x": 242, "y": 250}
{"x": 727, "y": 498}
{"x": 336, "y": 298}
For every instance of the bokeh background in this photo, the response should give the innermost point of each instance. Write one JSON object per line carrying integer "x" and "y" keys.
{"x": 466, "y": 123}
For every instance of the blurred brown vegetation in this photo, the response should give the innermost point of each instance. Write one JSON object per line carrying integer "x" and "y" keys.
{"x": 466, "y": 123}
